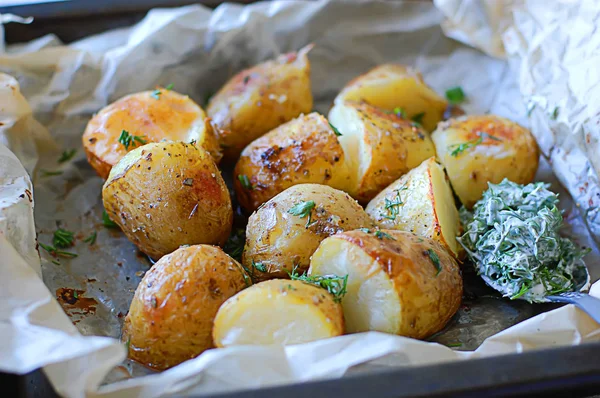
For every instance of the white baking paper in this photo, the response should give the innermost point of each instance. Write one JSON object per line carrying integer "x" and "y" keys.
{"x": 197, "y": 49}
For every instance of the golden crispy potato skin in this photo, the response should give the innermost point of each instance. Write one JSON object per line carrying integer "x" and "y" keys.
{"x": 171, "y": 315}
{"x": 420, "y": 202}
{"x": 280, "y": 241}
{"x": 400, "y": 283}
{"x": 511, "y": 153}
{"x": 167, "y": 194}
{"x": 304, "y": 150}
{"x": 379, "y": 146}
{"x": 278, "y": 312}
{"x": 258, "y": 99}
{"x": 172, "y": 116}
{"x": 392, "y": 86}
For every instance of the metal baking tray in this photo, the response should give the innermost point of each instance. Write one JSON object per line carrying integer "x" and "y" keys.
{"x": 561, "y": 372}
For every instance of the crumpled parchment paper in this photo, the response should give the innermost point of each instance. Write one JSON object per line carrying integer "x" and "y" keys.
{"x": 197, "y": 50}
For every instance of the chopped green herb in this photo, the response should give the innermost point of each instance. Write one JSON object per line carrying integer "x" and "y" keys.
{"x": 128, "y": 140}
{"x": 48, "y": 173}
{"x": 455, "y": 95}
{"x": 156, "y": 94}
{"x": 75, "y": 294}
{"x": 392, "y": 206}
{"x": 55, "y": 252}
{"x": 128, "y": 343}
{"x": 193, "y": 142}
{"x": 335, "y": 130}
{"x": 334, "y": 284}
{"x": 91, "y": 239}
{"x": 245, "y": 181}
{"x": 55, "y": 262}
{"x": 435, "y": 260}
{"x": 235, "y": 244}
{"x": 63, "y": 238}
{"x": 303, "y": 209}
{"x": 259, "y": 266}
{"x": 418, "y": 118}
{"x": 451, "y": 345}
{"x": 169, "y": 86}
{"x": 400, "y": 112}
{"x": 381, "y": 235}
{"x": 67, "y": 155}
{"x": 108, "y": 223}
{"x": 457, "y": 149}
{"x": 554, "y": 113}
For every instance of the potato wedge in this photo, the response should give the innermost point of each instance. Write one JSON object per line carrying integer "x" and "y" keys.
{"x": 420, "y": 202}
{"x": 304, "y": 150}
{"x": 278, "y": 312}
{"x": 282, "y": 234}
{"x": 258, "y": 99}
{"x": 392, "y": 86}
{"x": 151, "y": 116}
{"x": 476, "y": 150}
{"x": 167, "y": 194}
{"x": 171, "y": 315}
{"x": 398, "y": 282}
{"x": 379, "y": 146}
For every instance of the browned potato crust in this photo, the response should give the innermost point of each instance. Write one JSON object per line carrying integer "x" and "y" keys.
{"x": 304, "y": 150}
{"x": 167, "y": 194}
{"x": 151, "y": 116}
{"x": 258, "y": 99}
{"x": 171, "y": 315}
{"x": 398, "y": 282}
{"x": 280, "y": 241}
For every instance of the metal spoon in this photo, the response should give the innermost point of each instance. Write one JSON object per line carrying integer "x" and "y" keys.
{"x": 589, "y": 304}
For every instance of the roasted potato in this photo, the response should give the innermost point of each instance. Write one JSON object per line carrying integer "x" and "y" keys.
{"x": 476, "y": 150}
{"x": 167, "y": 194}
{"x": 145, "y": 117}
{"x": 304, "y": 150}
{"x": 398, "y": 282}
{"x": 420, "y": 202}
{"x": 171, "y": 315}
{"x": 392, "y": 86}
{"x": 285, "y": 231}
{"x": 278, "y": 312}
{"x": 258, "y": 99}
{"x": 379, "y": 146}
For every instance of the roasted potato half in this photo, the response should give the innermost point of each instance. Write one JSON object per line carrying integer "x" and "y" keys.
{"x": 285, "y": 231}
{"x": 167, "y": 194}
{"x": 476, "y": 150}
{"x": 304, "y": 150}
{"x": 145, "y": 117}
{"x": 420, "y": 202}
{"x": 391, "y": 86}
{"x": 258, "y": 99}
{"x": 278, "y": 312}
{"x": 171, "y": 315}
{"x": 398, "y": 282}
{"x": 379, "y": 146}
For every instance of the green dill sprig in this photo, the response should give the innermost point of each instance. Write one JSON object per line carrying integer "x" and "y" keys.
{"x": 336, "y": 285}
{"x": 108, "y": 223}
{"x": 156, "y": 94}
{"x": 170, "y": 86}
{"x": 392, "y": 206}
{"x": 335, "y": 130}
{"x": 235, "y": 244}
{"x": 259, "y": 266}
{"x": 91, "y": 239}
{"x": 245, "y": 181}
{"x": 63, "y": 238}
{"x": 379, "y": 234}
{"x": 435, "y": 259}
{"x": 128, "y": 140}
{"x": 55, "y": 252}
{"x": 455, "y": 95}
{"x": 457, "y": 149}
{"x": 67, "y": 155}
{"x": 303, "y": 209}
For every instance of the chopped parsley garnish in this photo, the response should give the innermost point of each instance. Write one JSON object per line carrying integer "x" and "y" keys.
{"x": 335, "y": 130}
{"x": 336, "y": 285}
{"x": 512, "y": 236}
{"x": 457, "y": 149}
{"x": 259, "y": 266}
{"x": 303, "y": 209}
{"x": 67, "y": 155}
{"x": 48, "y": 173}
{"x": 169, "y": 86}
{"x": 245, "y": 181}
{"x": 381, "y": 235}
{"x": 130, "y": 140}
{"x": 156, "y": 94}
{"x": 108, "y": 223}
{"x": 435, "y": 260}
{"x": 63, "y": 238}
{"x": 418, "y": 118}
{"x": 392, "y": 206}
{"x": 235, "y": 244}
{"x": 455, "y": 95}
{"x": 400, "y": 112}
{"x": 55, "y": 252}
{"x": 91, "y": 239}
{"x": 554, "y": 114}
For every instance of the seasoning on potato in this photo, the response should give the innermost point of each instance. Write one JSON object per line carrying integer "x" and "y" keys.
{"x": 392, "y": 86}
{"x": 476, "y": 150}
{"x": 258, "y": 99}
{"x": 379, "y": 146}
{"x": 304, "y": 150}
{"x": 142, "y": 118}
{"x": 398, "y": 282}
{"x": 167, "y": 194}
{"x": 283, "y": 234}
{"x": 420, "y": 202}
{"x": 171, "y": 315}
{"x": 278, "y": 312}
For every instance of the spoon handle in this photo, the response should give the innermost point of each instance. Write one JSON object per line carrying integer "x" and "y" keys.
{"x": 587, "y": 303}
